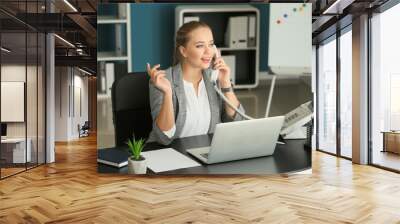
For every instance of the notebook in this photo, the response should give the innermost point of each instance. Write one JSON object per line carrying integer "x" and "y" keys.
{"x": 113, "y": 157}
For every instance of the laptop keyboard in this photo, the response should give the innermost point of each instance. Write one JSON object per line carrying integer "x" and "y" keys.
{"x": 205, "y": 155}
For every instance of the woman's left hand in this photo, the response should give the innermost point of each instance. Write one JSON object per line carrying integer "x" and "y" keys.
{"x": 224, "y": 72}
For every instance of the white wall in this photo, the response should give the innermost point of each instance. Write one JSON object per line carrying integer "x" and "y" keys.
{"x": 16, "y": 73}
{"x": 34, "y": 124}
{"x": 69, "y": 82}
{"x": 61, "y": 103}
{"x": 80, "y": 83}
{"x": 13, "y": 72}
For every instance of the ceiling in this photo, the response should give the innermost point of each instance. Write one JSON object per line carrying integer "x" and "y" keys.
{"x": 75, "y": 22}
{"x": 330, "y": 15}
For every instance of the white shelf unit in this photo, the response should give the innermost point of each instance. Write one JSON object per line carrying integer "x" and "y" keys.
{"x": 110, "y": 56}
{"x": 110, "y": 21}
{"x": 123, "y": 19}
{"x": 216, "y": 16}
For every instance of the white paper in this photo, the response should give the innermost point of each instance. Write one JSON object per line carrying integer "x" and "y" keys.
{"x": 167, "y": 159}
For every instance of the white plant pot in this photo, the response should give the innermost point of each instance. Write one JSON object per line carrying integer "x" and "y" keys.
{"x": 137, "y": 167}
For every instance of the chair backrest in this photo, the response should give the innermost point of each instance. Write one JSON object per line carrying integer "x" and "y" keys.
{"x": 86, "y": 125}
{"x": 131, "y": 107}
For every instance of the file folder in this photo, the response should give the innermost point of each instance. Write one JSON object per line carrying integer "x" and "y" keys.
{"x": 251, "y": 31}
{"x": 236, "y": 33}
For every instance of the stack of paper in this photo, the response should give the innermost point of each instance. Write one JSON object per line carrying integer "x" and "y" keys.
{"x": 167, "y": 159}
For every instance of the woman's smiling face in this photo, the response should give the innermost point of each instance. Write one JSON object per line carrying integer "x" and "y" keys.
{"x": 199, "y": 50}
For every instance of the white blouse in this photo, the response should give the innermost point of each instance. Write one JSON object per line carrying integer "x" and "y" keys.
{"x": 198, "y": 113}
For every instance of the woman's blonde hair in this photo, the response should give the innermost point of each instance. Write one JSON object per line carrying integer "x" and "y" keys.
{"x": 182, "y": 37}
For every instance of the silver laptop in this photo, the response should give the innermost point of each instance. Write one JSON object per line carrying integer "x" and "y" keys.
{"x": 241, "y": 140}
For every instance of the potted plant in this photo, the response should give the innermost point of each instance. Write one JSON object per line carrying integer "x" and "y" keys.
{"x": 136, "y": 162}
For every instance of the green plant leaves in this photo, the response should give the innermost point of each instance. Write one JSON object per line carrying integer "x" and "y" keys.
{"x": 136, "y": 147}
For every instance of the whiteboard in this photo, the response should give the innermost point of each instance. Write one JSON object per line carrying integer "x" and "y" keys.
{"x": 12, "y": 101}
{"x": 290, "y": 38}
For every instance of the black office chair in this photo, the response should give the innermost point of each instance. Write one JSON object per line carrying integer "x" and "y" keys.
{"x": 84, "y": 129}
{"x": 131, "y": 107}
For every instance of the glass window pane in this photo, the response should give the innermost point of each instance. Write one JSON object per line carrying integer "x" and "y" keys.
{"x": 327, "y": 97}
{"x": 22, "y": 63}
{"x": 41, "y": 99}
{"x": 13, "y": 87}
{"x": 385, "y": 84}
{"x": 346, "y": 94}
{"x": 31, "y": 101}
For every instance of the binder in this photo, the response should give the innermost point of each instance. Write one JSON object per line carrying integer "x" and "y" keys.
{"x": 251, "y": 39}
{"x": 236, "y": 33}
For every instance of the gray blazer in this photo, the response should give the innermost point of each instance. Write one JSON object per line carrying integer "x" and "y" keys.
{"x": 174, "y": 75}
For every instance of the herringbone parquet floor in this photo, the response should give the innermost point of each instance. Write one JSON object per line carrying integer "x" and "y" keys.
{"x": 71, "y": 191}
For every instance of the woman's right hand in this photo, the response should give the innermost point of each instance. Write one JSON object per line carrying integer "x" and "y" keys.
{"x": 158, "y": 79}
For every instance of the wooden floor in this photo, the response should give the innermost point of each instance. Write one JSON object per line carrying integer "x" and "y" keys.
{"x": 387, "y": 159}
{"x": 10, "y": 171}
{"x": 71, "y": 191}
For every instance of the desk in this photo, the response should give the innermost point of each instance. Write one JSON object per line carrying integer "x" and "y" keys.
{"x": 13, "y": 150}
{"x": 391, "y": 141}
{"x": 291, "y": 157}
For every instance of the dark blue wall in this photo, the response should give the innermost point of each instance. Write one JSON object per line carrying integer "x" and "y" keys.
{"x": 153, "y": 28}
{"x": 152, "y": 34}
{"x": 264, "y": 23}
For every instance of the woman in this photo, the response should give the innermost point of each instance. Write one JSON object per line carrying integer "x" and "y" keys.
{"x": 182, "y": 98}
